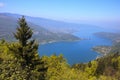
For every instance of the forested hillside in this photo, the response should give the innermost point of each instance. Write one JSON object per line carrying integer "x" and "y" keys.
{"x": 20, "y": 61}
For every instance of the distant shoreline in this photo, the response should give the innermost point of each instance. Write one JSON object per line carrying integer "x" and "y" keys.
{"x": 104, "y": 50}
{"x": 46, "y": 42}
{"x": 54, "y": 41}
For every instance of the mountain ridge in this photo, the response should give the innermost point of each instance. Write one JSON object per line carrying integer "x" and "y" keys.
{"x": 55, "y": 26}
{"x": 8, "y": 24}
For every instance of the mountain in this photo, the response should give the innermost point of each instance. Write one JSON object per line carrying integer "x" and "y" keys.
{"x": 8, "y": 25}
{"x": 115, "y": 37}
{"x": 49, "y": 24}
{"x": 54, "y": 25}
{"x": 45, "y": 29}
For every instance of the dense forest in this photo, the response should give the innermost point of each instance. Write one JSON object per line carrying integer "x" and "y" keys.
{"x": 20, "y": 61}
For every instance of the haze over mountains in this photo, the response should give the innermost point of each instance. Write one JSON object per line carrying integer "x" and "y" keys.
{"x": 8, "y": 24}
{"x": 49, "y": 24}
{"x": 45, "y": 30}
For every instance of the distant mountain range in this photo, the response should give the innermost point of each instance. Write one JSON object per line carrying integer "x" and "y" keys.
{"x": 8, "y": 24}
{"x": 51, "y": 25}
{"x": 115, "y": 37}
{"x": 45, "y": 30}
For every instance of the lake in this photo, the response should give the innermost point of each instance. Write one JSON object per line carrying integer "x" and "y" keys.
{"x": 76, "y": 51}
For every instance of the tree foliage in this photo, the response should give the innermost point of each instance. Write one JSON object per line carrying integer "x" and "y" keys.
{"x": 23, "y": 54}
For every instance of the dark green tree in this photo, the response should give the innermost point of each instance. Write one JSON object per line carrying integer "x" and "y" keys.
{"x": 27, "y": 48}
{"x": 26, "y": 51}
{"x": 24, "y": 33}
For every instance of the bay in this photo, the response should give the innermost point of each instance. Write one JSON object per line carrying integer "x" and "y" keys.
{"x": 76, "y": 51}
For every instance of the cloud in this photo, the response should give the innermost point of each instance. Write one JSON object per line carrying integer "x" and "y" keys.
{"x": 2, "y": 4}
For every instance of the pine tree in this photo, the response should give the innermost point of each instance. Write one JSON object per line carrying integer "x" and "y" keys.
{"x": 24, "y": 33}
{"x": 28, "y": 48}
{"x": 25, "y": 51}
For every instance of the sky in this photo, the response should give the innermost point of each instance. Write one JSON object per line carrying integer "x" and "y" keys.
{"x": 69, "y": 10}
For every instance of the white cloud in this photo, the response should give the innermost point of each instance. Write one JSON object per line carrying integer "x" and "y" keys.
{"x": 2, "y": 4}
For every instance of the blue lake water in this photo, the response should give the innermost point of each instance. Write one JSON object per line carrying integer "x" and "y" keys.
{"x": 75, "y": 51}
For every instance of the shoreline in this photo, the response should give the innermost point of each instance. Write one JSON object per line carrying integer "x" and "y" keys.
{"x": 103, "y": 50}
{"x": 54, "y": 41}
{"x": 47, "y": 42}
